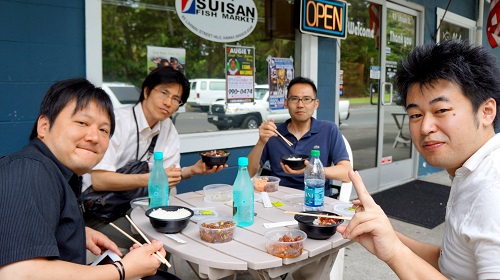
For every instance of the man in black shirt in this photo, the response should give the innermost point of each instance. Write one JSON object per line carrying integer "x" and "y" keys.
{"x": 42, "y": 229}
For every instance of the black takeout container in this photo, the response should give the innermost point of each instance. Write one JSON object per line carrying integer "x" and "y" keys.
{"x": 295, "y": 164}
{"x": 169, "y": 225}
{"x": 306, "y": 224}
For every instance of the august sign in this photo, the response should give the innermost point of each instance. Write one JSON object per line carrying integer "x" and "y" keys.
{"x": 323, "y": 18}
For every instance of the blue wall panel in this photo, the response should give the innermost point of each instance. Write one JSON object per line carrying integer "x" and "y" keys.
{"x": 41, "y": 42}
{"x": 326, "y": 78}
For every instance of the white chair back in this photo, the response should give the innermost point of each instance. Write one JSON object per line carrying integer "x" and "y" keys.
{"x": 346, "y": 188}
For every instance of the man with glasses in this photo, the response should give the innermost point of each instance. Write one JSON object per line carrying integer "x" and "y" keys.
{"x": 163, "y": 91}
{"x": 305, "y": 132}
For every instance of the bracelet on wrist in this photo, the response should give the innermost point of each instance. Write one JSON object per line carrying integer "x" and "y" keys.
{"x": 123, "y": 270}
{"x": 119, "y": 271}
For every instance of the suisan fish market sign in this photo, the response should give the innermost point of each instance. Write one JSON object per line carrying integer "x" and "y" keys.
{"x": 218, "y": 20}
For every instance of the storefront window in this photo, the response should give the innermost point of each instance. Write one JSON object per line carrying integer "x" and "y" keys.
{"x": 131, "y": 30}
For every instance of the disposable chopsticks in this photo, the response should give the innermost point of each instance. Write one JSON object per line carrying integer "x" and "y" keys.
{"x": 318, "y": 215}
{"x": 157, "y": 254}
{"x": 283, "y": 137}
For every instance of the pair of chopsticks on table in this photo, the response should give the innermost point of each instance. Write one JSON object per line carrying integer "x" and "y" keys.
{"x": 283, "y": 137}
{"x": 318, "y": 215}
{"x": 157, "y": 254}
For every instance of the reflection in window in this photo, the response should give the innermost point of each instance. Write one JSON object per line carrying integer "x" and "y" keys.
{"x": 129, "y": 27}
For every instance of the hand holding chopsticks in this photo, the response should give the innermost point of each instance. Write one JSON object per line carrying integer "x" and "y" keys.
{"x": 156, "y": 255}
{"x": 318, "y": 215}
{"x": 282, "y": 137}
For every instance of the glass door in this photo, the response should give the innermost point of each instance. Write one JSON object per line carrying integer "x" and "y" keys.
{"x": 380, "y": 34}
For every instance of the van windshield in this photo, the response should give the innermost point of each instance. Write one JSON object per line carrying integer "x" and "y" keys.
{"x": 126, "y": 95}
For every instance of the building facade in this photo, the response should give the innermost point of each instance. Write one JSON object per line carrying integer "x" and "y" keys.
{"x": 115, "y": 41}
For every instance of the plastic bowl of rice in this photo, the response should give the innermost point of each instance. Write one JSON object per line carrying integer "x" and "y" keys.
{"x": 295, "y": 161}
{"x": 169, "y": 219}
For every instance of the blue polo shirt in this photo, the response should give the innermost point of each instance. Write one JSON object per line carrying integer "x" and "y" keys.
{"x": 324, "y": 134}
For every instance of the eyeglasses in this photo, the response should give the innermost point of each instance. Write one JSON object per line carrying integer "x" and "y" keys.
{"x": 305, "y": 100}
{"x": 173, "y": 98}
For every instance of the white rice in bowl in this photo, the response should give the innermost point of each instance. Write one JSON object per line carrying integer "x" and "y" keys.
{"x": 169, "y": 215}
{"x": 294, "y": 158}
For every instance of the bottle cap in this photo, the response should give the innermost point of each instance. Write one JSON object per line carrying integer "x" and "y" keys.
{"x": 243, "y": 161}
{"x": 315, "y": 153}
{"x": 158, "y": 155}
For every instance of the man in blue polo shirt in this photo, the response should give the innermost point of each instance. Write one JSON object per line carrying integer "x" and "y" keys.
{"x": 304, "y": 132}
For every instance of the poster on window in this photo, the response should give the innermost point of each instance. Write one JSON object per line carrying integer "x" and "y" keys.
{"x": 281, "y": 72}
{"x": 161, "y": 56}
{"x": 240, "y": 73}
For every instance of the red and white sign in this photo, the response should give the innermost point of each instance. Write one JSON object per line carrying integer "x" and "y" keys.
{"x": 218, "y": 20}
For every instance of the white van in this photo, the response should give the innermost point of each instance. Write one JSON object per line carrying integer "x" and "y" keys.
{"x": 204, "y": 92}
{"x": 121, "y": 94}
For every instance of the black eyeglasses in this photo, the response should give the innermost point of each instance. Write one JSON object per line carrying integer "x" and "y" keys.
{"x": 173, "y": 98}
{"x": 305, "y": 100}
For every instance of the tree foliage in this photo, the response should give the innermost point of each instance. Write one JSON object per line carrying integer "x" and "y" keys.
{"x": 128, "y": 27}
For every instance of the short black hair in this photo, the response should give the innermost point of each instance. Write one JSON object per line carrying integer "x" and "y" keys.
{"x": 302, "y": 80}
{"x": 63, "y": 92}
{"x": 470, "y": 67}
{"x": 165, "y": 75}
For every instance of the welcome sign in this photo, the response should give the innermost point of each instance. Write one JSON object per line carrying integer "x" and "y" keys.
{"x": 325, "y": 18}
{"x": 218, "y": 20}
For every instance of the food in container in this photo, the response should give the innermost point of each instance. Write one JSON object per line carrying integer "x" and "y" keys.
{"x": 266, "y": 183}
{"x": 285, "y": 243}
{"x": 295, "y": 161}
{"x": 214, "y": 157}
{"x": 217, "y": 230}
{"x": 169, "y": 219}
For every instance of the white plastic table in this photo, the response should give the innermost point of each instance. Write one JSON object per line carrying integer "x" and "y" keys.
{"x": 247, "y": 251}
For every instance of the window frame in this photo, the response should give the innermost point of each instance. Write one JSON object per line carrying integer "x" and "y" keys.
{"x": 190, "y": 142}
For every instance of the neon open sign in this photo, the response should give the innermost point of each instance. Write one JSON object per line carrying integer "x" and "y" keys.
{"x": 324, "y": 18}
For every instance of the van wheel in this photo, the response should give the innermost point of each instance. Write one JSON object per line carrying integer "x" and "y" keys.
{"x": 250, "y": 122}
{"x": 204, "y": 108}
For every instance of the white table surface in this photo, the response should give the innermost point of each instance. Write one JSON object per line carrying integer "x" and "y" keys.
{"x": 247, "y": 251}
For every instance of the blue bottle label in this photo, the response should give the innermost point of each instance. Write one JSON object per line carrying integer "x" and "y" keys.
{"x": 314, "y": 193}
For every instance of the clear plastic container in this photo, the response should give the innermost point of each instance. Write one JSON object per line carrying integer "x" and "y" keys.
{"x": 217, "y": 230}
{"x": 220, "y": 193}
{"x": 285, "y": 243}
{"x": 266, "y": 183}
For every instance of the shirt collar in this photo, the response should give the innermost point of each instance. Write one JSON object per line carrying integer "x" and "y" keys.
{"x": 143, "y": 123}
{"x": 73, "y": 180}
{"x": 315, "y": 128}
{"x": 473, "y": 162}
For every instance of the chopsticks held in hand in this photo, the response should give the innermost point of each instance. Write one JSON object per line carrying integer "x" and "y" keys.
{"x": 318, "y": 215}
{"x": 157, "y": 254}
{"x": 283, "y": 137}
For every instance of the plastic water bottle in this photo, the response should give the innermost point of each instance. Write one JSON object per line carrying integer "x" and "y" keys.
{"x": 314, "y": 183}
{"x": 243, "y": 211}
{"x": 158, "y": 183}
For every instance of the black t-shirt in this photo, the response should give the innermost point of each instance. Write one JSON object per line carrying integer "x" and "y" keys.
{"x": 39, "y": 213}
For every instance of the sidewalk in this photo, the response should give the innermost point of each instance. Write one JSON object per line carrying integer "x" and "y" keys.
{"x": 359, "y": 264}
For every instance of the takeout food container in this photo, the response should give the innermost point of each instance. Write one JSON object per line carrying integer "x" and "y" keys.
{"x": 313, "y": 227}
{"x": 142, "y": 202}
{"x": 285, "y": 243}
{"x": 266, "y": 183}
{"x": 214, "y": 157}
{"x": 295, "y": 161}
{"x": 217, "y": 230}
{"x": 169, "y": 223}
{"x": 218, "y": 193}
